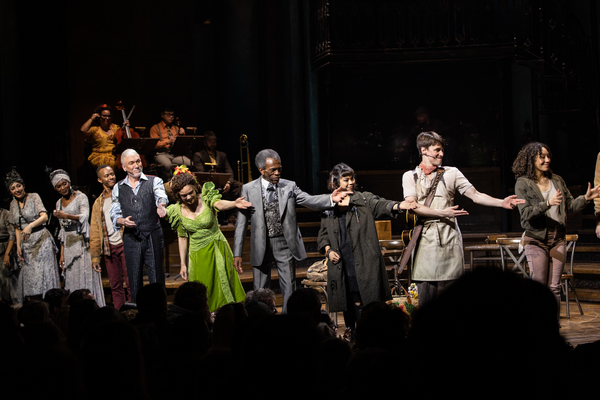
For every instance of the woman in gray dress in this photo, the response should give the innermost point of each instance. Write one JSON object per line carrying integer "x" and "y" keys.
{"x": 73, "y": 211}
{"x": 37, "y": 268}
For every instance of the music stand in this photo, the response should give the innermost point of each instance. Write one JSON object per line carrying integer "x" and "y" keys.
{"x": 141, "y": 145}
{"x": 218, "y": 178}
{"x": 186, "y": 145}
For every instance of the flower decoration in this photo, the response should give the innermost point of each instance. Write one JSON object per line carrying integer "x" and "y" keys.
{"x": 413, "y": 291}
{"x": 182, "y": 169}
{"x": 103, "y": 106}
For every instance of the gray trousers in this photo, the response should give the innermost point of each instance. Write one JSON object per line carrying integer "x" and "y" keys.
{"x": 167, "y": 160}
{"x": 144, "y": 249}
{"x": 277, "y": 251}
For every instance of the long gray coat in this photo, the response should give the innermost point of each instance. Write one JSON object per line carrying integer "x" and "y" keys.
{"x": 369, "y": 264}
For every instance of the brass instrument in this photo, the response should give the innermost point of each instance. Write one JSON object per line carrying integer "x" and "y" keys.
{"x": 244, "y": 161}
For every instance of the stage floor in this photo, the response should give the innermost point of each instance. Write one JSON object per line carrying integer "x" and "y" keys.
{"x": 576, "y": 330}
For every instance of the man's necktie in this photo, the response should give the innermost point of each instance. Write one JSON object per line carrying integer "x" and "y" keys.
{"x": 270, "y": 193}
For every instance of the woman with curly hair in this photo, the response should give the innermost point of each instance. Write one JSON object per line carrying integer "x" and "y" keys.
{"x": 100, "y": 131}
{"x": 544, "y": 214}
{"x": 202, "y": 246}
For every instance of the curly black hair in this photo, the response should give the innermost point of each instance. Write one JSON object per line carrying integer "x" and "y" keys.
{"x": 180, "y": 181}
{"x": 524, "y": 164}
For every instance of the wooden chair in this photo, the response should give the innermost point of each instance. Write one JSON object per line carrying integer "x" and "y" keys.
{"x": 507, "y": 245}
{"x": 567, "y": 277}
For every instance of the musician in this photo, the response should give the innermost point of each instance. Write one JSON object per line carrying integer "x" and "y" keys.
{"x": 439, "y": 256}
{"x": 100, "y": 131}
{"x": 138, "y": 203}
{"x": 210, "y": 155}
{"x": 167, "y": 131}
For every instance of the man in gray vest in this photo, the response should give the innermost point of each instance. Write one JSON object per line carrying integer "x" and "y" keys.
{"x": 138, "y": 203}
{"x": 274, "y": 235}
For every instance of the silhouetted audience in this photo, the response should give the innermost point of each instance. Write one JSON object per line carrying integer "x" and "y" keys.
{"x": 490, "y": 334}
{"x": 190, "y": 297}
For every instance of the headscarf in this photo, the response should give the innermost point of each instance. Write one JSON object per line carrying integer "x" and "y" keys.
{"x": 11, "y": 177}
{"x": 58, "y": 175}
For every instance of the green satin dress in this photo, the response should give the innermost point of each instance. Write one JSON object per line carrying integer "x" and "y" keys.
{"x": 210, "y": 260}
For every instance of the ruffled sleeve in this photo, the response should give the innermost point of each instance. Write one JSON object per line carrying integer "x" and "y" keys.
{"x": 174, "y": 217}
{"x": 210, "y": 195}
{"x": 83, "y": 227}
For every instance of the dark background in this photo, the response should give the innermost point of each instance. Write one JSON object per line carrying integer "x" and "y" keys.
{"x": 249, "y": 67}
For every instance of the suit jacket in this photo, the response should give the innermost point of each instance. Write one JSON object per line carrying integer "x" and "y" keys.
{"x": 290, "y": 196}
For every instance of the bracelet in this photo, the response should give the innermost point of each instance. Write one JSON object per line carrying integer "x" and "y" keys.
{"x": 327, "y": 253}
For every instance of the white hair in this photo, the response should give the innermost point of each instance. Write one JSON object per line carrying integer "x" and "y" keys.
{"x": 128, "y": 153}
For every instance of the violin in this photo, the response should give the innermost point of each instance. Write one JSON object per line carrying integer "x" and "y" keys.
{"x": 128, "y": 132}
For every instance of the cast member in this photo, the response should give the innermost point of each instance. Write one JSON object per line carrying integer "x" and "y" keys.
{"x": 138, "y": 203}
{"x": 275, "y": 236}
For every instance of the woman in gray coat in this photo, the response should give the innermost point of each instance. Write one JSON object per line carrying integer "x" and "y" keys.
{"x": 544, "y": 214}
{"x": 356, "y": 275}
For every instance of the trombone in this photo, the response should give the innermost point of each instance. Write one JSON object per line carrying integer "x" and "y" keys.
{"x": 244, "y": 161}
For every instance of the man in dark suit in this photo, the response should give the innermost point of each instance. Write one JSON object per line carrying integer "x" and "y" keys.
{"x": 275, "y": 236}
{"x": 209, "y": 155}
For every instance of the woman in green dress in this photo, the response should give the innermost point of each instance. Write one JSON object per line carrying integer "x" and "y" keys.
{"x": 201, "y": 242}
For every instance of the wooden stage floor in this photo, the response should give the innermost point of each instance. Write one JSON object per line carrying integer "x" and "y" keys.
{"x": 576, "y": 330}
{"x": 579, "y": 328}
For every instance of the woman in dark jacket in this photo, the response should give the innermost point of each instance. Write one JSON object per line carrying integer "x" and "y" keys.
{"x": 544, "y": 214}
{"x": 356, "y": 275}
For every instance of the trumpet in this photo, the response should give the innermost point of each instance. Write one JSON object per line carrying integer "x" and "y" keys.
{"x": 244, "y": 161}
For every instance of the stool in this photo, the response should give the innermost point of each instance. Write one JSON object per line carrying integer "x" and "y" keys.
{"x": 567, "y": 277}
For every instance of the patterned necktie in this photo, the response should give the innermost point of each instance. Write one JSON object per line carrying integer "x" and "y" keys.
{"x": 270, "y": 193}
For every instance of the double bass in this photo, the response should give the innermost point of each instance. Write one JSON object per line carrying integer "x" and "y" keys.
{"x": 127, "y": 133}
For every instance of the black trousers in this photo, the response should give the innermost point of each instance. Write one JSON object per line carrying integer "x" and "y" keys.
{"x": 144, "y": 249}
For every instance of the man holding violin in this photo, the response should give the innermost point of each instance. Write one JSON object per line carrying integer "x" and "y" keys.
{"x": 166, "y": 131}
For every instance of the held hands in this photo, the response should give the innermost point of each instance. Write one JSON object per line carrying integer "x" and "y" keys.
{"x": 592, "y": 193}
{"x": 242, "y": 204}
{"x": 160, "y": 210}
{"x": 511, "y": 202}
{"x": 408, "y": 205}
{"x": 338, "y": 195}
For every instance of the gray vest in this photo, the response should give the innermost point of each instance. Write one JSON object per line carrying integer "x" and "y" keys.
{"x": 141, "y": 207}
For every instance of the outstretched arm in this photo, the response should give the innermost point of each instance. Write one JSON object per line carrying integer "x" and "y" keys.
{"x": 424, "y": 211}
{"x": 483, "y": 199}
{"x": 239, "y": 203}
